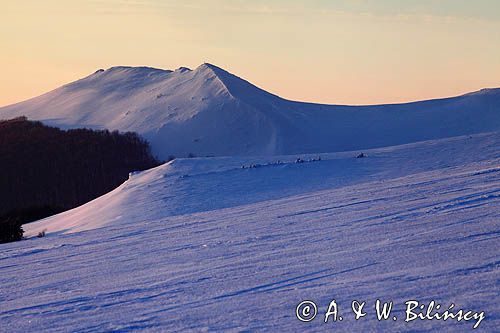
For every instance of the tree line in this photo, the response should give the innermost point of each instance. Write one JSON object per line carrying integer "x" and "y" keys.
{"x": 45, "y": 170}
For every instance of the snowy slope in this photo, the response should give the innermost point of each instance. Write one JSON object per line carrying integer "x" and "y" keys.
{"x": 192, "y": 185}
{"x": 203, "y": 244}
{"x": 413, "y": 222}
{"x": 196, "y": 111}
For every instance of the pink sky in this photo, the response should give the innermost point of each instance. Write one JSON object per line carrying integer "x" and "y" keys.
{"x": 358, "y": 52}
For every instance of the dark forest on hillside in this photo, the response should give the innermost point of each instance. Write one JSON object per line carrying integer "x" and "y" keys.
{"x": 45, "y": 170}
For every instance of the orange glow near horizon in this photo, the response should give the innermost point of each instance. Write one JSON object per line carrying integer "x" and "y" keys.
{"x": 339, "y": 52}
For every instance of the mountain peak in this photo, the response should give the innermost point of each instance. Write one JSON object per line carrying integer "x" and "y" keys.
{"x": 207, "y": 65}
{"x": 210, "y": 111}
{"x": 217, "y": 71}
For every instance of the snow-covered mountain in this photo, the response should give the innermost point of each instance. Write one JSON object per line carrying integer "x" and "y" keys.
{"x": 208, "y": 111}
{"x": 202, "y": 244}
{"x": 177, "y": 246}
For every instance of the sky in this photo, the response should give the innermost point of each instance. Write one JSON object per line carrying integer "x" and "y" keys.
{"x": 325, "y": 51}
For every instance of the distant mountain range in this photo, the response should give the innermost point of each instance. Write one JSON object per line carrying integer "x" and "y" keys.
{"x": 210, "y": 112}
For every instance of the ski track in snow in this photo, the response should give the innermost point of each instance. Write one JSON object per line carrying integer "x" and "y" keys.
{"x": 419, "y": 221}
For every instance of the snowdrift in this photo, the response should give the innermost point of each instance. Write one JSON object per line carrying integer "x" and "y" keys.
{"x": 185, "y": 186}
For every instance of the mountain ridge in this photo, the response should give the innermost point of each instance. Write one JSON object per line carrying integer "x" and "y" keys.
{"x": 209, "y": 111}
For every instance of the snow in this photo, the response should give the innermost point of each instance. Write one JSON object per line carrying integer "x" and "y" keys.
{"x": 235, "y": 242}
{"x": 192, "y": 185}
{"x": 196, "y": 111}
{"x": 204, "y": 245}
